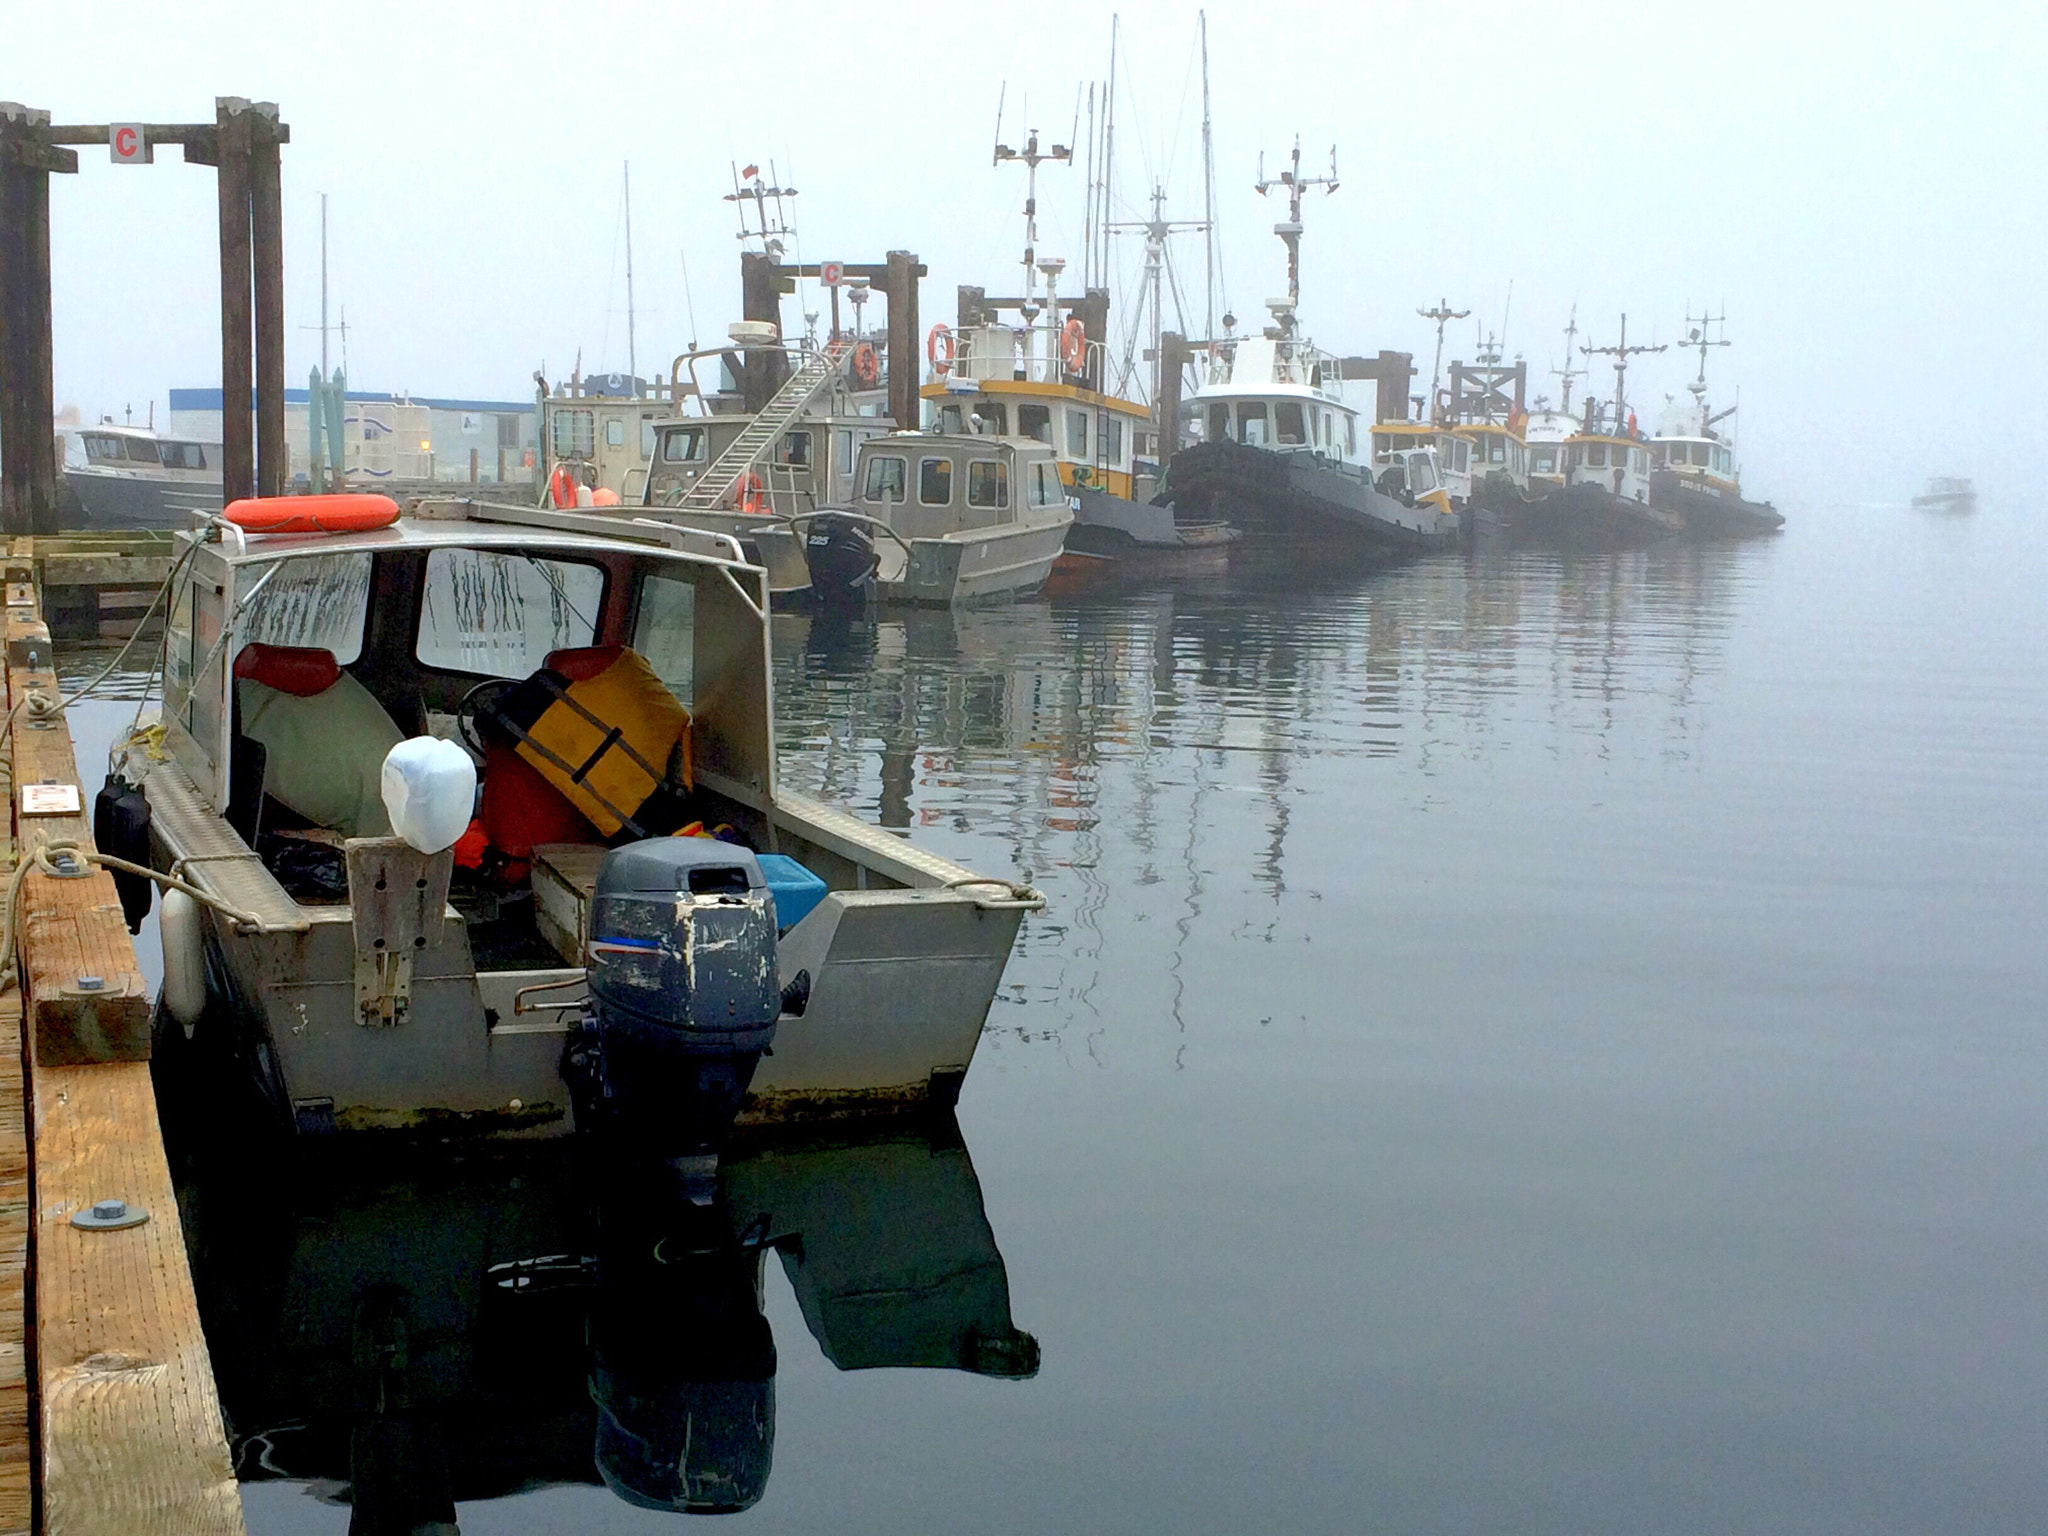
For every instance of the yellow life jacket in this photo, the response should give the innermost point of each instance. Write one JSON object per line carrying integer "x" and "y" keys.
{"x": 606, "y": 732}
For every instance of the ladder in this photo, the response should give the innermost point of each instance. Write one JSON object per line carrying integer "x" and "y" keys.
{"x": 716, "y": 487}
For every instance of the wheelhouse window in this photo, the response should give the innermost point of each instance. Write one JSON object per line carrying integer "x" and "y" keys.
{"x": 683, "y": 446}
{"x": 794, "y": 450}
{"x": 664, "y": 631}
{"x": 182, "y": 455}
{"x": 1077, "y": 430}
{"x": 315, "y": 601}
{"x": 614, "y": 432}
{"x": 1496, "y": 450}
{"x": 948, "y": 419}
{"x": 1251, "y": 423}
{"x": 1045, "y": 486}
{"x": 988, "y": 483}
{"x": 1219, "y": 423}
{"x": 991, "y": 419}
{"x": 1545, "y": 461}
{"x": 1113, "y": 441}
{"x": 935, "y": 482}
{"x": 1699, "y": 454}
{"x": 1596, "y": 455}
{"x": 1287, "y": 422}
{"x": 844, "y": 438}
{"x": 499, "y": 614}
{"x": 1035, "y": 422}
{"x": 575, "y": 434}
{"x": 884, "y": 478}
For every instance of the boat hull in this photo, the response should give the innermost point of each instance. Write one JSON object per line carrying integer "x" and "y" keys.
{"x": 976, "y": 565}
{"x": 1300, "y": 498}
{"x": 1709, "y": 512}
{"x": 113, "y": 500}
{"x": 902, "y": 978}
{"x": 1582, "y": 515}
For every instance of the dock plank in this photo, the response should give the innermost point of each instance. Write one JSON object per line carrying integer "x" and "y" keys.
{"x": 71, "y": 930}
{"x": 132, "y": 1436}
{"x": 16, "y": 1462}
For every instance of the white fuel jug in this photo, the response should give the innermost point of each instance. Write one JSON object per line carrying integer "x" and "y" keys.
{"x": 430, "y": 790}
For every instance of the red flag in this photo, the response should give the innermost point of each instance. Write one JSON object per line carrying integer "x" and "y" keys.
{"x": 752, "y": 170}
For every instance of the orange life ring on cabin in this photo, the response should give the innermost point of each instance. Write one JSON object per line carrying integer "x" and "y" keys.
{"x": 311, "y": 514}
{"x": 938, "y": 349}
{"x": 1074, "y": 344}
{"x": 562, "y": 487}
{"x": 867, "y": 366}
{"x": 751, "y": 494}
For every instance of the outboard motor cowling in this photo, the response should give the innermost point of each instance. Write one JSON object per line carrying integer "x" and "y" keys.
{"x": 840, "y": 552}
{"x": 684, "y": 990}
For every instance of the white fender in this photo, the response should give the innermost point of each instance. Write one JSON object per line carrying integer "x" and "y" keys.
{"x": 184, "y": 958}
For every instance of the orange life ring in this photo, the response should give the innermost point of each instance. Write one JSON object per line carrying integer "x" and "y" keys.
{"x": 751, "y": 494}
{"x": 1074, "y": 344}
{"x": 311, "y": 514}
{"x": 562, "y": 487}
{"x": 938, "y": 349}
{"x": 867, "y": 367}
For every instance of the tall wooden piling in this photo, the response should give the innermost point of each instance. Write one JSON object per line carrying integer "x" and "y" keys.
{"x": 237, "y": 425}
{"x": 28, "y": 449}
{"x": 906, "y": 373}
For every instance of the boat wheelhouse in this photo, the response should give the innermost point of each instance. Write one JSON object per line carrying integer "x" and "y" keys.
{"x": 1947, "y": 493}
{"x": 294, "y": 663}
{"x": 127, "y": 477}
{"x": 960, "y": 518}
{"x": 1693, "y": 472}
{"x": 1616, "y": 464}
{"x": 1545, "y": 435}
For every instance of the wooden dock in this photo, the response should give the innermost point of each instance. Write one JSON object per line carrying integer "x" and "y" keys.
{"x": 96, "y": 586}
{"x": 109, "y": 1419}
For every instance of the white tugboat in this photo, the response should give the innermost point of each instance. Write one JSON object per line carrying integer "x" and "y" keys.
{"x": 1694, "y": 474}
{"x": 1282, "y": 453}
{"x": 1606, "y": 469}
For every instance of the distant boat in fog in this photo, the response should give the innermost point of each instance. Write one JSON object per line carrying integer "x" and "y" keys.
{"x": 1947, "y": 493}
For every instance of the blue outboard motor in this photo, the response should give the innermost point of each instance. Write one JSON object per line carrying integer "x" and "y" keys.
{"x": 684, "y": 993}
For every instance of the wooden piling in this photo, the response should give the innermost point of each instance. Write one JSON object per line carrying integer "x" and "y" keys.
{"x": 126, "y": 1419}
{"x": 266, "y": 248}
{"x": 237, "y": 424}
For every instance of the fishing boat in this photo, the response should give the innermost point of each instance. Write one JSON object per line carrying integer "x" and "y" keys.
{"x": 1281, "y": 452}
{"x": 412, "y": 1335}
{"x": 1045, "y": 378}
{"x": 127, "y": 477}
{"x": 607, "y": 682}
{"x": 1947, "y": 493}
{"x": 950, "y": 518}
{"x": 1693, "y": 473}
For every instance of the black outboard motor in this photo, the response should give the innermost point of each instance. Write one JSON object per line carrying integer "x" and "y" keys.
{"x": 684, "y": 995}
{"x": 840, "y": 551}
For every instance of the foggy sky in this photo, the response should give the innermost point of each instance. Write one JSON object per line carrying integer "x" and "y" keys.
{"x": 1861, "y": 186}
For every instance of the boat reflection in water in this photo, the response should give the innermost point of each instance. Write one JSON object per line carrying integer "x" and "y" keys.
{"x": 404, "y": 1338}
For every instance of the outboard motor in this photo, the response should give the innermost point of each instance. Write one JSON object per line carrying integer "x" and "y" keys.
{"x": 684, "y": 996}
{"x": 840, "y": 551}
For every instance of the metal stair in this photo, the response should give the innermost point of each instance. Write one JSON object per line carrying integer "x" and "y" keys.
{"x": 715, "y": 488}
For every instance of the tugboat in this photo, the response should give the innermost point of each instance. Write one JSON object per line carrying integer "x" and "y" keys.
{"x": 126, "y": 477}
{"x": 1605, "y": 498}
{"x": 364, "y": 961}
{"x": 1947, "y": 493}
{"x": 1694, "y": 473}
{"x": 1281, "y": 452}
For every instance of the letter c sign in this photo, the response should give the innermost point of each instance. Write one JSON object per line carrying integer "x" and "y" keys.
{"x": 127, "y": 144}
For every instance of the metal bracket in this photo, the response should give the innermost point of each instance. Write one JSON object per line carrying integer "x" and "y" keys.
{"x": 397, "y": 900}
{"x": 383, "y": 988}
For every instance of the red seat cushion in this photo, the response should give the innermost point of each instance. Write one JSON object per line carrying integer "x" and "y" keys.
{"x": 295, "y": 669}
{"x": 581, "y": 663}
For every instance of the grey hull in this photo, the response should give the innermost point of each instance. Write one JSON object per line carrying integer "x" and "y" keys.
{"x": 1300, "y": 497}
{"x": 134, "y": 501}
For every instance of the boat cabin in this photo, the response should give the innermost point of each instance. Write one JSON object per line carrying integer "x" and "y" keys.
{"x": 137, "y": 451}
{"x": 808, "y": 466}
{"x": 1276, "y": 392}
{"x": 1003, "y": 382}
{"x": 1406, "y": 459}
{"x": 928, "y": 485}
{"x": 1497, "y": 451}
{"x": 1617, "y": 464}
{"x": 1697, "y": 458}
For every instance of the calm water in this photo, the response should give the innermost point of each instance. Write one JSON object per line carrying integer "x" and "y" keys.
{"x": 1516, "y": 1044}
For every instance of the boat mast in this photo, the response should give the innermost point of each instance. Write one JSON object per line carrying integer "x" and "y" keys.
{"x": 1032, "y": 156}
{"x": 632, "y": 355}
{"x": 1621, "y": 353}
{"x": 1108, "y": 149}
{"x": 1443, "y": 314}
{"x": 1698, "y": 338}
{"x": 1290, "y": 231}
{"x": 1208, "y": 191}
{"x": 323, "y": 285}
{"x": 1568, "y": 373}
